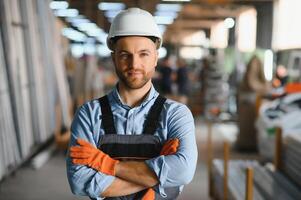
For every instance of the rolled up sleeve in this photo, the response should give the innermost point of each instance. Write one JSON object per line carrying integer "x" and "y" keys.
{"x": 85, "y": 181}
{"x": 178, "y": 169}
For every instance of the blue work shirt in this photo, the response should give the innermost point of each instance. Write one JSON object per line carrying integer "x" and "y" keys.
{"x": 176, "y": 121}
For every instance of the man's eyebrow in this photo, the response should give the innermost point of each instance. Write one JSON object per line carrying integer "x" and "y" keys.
{"x": 140, "y": 51}
{"x": 123, "y": 51}
{"x": 145, "y": 50}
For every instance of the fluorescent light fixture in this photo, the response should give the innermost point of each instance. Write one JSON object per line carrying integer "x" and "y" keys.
{"x": 197, "y": 38}
{"x": 162, "y": 52}
{"x": 87, "y": 26}
{"x": 103, "y": 50}
{"x": 102, "y": 37}
{"x": 74, "y": 35}
{"x": 191, "y": 52}
{"x": 268, "y": 64}
{"x": 166, "y": 14}
{"x": 229, "y": 22}
{"x": 66, "y": 13}
{"x": 56, "y": 5}
{"x": 246, "y": 27}
{"x": 163, "y": 20}
{"x": 77, "y": 50}
{"x": 90, "y": 28}
{"x": 89, "y": 48}
{"x": 94, "y": 32}
{"x": 111, "y": 6}
{"x": 162, "y": 28}
{"x": 75, "y": 21}
{"x": 98, "y": 32}
{"x": 169, "y": 7}
{"x": 219, "y": 35}
{"x": 286, "y": 24}
{"x": 178, "y": 0}
{"x": 111, "y": 13}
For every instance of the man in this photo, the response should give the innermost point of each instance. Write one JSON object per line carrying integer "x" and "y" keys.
{"x": 132, "y": 143}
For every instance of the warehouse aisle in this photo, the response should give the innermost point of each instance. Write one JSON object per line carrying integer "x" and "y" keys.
{"x": 47, "y": 183}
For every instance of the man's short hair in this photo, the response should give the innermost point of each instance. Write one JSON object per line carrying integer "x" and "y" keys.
{"x": 152, "y": 38}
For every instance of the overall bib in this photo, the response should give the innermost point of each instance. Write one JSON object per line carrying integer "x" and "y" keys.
{"x": 133, "y": 147}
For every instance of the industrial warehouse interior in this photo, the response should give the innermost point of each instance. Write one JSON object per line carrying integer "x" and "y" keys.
{"x": 236, "y": 64}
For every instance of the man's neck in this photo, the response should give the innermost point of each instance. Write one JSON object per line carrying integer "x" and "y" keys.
{"x": 133, "y": 97}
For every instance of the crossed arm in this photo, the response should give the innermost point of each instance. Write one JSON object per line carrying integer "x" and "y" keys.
{"x": 132, "y": 176}
{"x": 121, "y": 187}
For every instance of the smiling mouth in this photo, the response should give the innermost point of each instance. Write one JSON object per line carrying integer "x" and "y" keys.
{"x": 134, "y": 73}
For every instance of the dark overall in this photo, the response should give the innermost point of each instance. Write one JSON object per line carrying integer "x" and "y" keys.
{"x": 133, "y": 147}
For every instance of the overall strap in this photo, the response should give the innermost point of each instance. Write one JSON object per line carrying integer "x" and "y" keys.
{"x": 107, "y": 115}
{"x": 152, "y": 119}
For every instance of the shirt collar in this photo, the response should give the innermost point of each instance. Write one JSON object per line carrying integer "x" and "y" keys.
{"x": 151, "y": 94}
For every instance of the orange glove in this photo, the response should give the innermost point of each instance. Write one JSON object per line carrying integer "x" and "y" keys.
{"x": 87, "y": 154}
{"x": 170, "y": 147}
{"x": 149, "y": 195}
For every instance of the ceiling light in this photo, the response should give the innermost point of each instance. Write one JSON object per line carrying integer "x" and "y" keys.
{"x": 87, "y": 26}
{"x": 73, "y": 34}
{"x": 166, "y": 14}
{"x": 169, "y": 7}
{"x": 162, "y": 52}
{"x": 268, "y": 64}
{"x": 77, "y": 50}
{"x": 111, "y": 6}
{"x": 191, "y": 52}
{"x": 95, "y": 32}
{"x": 163, "y": 20}
{"x": 111, "y": 13}
{"x": 229, "y": 22}
{"x": 103, "y": 50}
{"x": 66, "y": 13}
{"x": 162, "y": 28}
{"x": 102, "y": 37}
{"x": 55, "y": 5}
{"x": 75, "y": 21}
{"x": 89, "y": 48}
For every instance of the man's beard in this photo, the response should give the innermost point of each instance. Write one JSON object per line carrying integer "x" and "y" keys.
{"x": 133, "y": 83}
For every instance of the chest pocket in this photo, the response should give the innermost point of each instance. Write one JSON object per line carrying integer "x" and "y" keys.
{"x": 130, "y": 147}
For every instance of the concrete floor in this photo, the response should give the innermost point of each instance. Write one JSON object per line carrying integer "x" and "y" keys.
{"x": 50, "y": 182}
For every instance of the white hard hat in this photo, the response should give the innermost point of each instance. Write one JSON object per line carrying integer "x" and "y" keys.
{"x": 135, "y": 22}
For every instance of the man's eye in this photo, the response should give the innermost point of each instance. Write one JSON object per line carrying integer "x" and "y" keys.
{"x": 123, "y": 56}
{"x": 144, "y": 54}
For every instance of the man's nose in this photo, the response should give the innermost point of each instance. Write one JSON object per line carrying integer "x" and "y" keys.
{"x": 135, "y": 62}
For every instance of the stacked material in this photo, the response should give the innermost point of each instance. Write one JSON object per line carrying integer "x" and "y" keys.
{"x": 285, "y": 113}
{"x": 216, "y": 90}
{"x": 274, "y": 185}
{"x": 32, "y": 80}
{"x": 19, "y": 84}
{"x": 8, "y": 139}
{"x": 236, "y": 179}
{"x": 267, "y": 184}
{"x": 291, "y": 162}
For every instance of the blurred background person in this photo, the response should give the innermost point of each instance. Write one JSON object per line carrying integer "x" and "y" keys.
{"x": 253, "y": 86}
